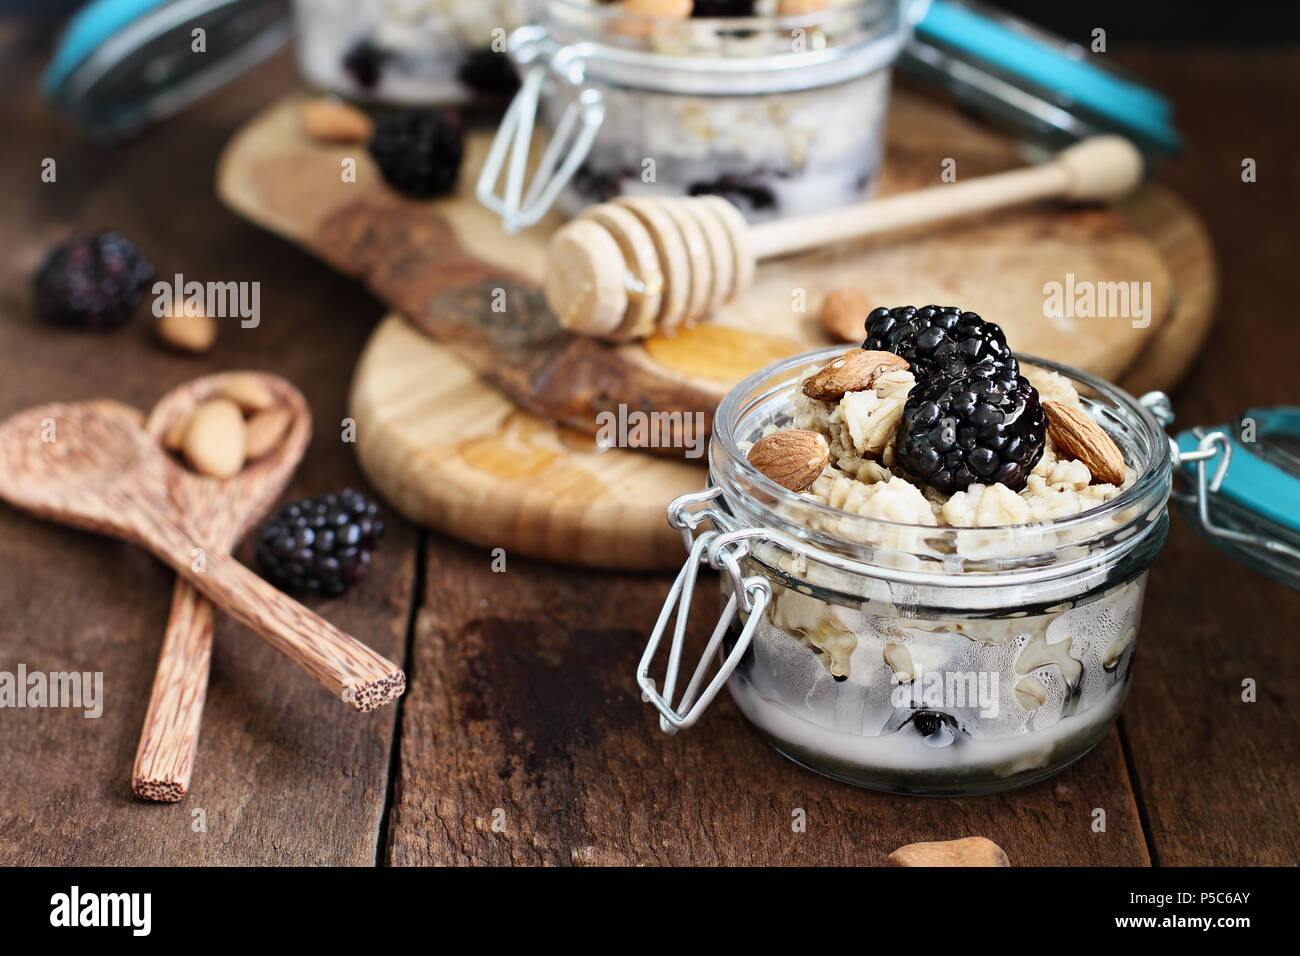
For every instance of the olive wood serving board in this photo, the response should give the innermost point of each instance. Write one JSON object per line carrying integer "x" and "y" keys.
{"x": 430, "y": 406}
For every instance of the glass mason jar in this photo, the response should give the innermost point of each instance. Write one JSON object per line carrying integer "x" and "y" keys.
{"x": 409, "y": 51}
{"x": 909, "y": 658}
{"x": 780, "y": 115}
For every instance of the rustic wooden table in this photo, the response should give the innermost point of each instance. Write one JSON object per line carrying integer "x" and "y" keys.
{"x": 522, "y": 708}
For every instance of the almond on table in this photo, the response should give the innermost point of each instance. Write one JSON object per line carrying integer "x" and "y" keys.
{"x": 971, "y": 851}
{"x": 187, "y": 333}
{"x": 844, "y": 314}
{"x": 333, "y": 121}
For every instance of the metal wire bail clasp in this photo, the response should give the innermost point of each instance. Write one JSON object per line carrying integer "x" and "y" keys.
{"x": 569, "y": 145}
{"x": 723, "y": 552}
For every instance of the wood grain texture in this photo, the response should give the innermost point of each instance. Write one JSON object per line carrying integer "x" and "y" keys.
{"x": 284, "y": 775}
{"x": 524, "y": 711}
{"x": 221, "y": 511}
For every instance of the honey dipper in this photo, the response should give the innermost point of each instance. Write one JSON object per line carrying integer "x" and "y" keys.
{"x": 628, "y": 268}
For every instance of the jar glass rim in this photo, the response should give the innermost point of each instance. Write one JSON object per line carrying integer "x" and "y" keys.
{"x": 1151, "y": 487}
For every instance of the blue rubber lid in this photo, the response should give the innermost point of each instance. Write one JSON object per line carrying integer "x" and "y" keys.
{"x": 1258, "y": 500}
{"x": 991, "y": 59}
{"x": 121, "y": 64}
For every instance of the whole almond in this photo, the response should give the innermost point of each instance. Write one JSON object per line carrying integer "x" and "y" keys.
{"x": 854, "y": 371}
{"x": 667, "y": 9}
{"x": 264, "y": 431}
{"x": 214, "y": 441}
{"x": 249, "y": 392}
{"x": 794, "y": 8}
{"x": 174, "y": 437}
{"x": 793, "y": 458}
{"x": 1078, "y": 436}
{"x": 187, "y": 333}
{"x": 971, "y": 851}
{"x": 844, "y": 314}
{"x": 333, "y": 121}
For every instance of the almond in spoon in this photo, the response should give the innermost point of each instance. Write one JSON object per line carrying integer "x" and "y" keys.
{"x": 249, "y": 392}
{"x": 264, "y": 430}
{"x": 792, "y": 458}
{"x": 1078, "y": 436}
{"x": 854, "y": 371}
{"x": 214, "y": 440}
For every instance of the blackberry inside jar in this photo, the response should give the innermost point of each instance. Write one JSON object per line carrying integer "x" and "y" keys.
{"x": 779, "y": 115}
{"x": 944, "y": 655}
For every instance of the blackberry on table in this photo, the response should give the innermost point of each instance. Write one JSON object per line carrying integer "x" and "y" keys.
{"x": 937, "y": 339}
{"x": 419, "y": 150}
{"x": 91, "y": 282}
{"x": 321, "y": 544}
{"x": 982, "y": 425}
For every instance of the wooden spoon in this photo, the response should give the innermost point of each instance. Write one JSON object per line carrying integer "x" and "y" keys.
{"x": 90, "y": 465}
{"x": 222, "y": 511}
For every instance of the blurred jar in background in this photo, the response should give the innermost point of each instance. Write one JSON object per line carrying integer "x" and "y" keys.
{"x": 409, "y": 51}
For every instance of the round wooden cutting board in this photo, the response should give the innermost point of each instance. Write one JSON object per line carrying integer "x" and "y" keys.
{"x": 453, "y": 453}
{"x": 454, "y": 405}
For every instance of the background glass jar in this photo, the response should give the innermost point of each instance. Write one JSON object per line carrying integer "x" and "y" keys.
{"x": 910, "y": 658}
{"x": 409, "y": 51}
{"x": 780, "y": 115}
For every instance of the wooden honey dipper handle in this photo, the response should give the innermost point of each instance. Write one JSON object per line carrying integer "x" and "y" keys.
{"x": 1098, "y": 169}
{"x": 619, "y": 274}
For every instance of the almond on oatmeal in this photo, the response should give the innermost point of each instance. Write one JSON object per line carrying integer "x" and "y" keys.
{"x": 793, "y": 458}
{"x": 855, "y": 370}
{"x": 1079, "y": 437}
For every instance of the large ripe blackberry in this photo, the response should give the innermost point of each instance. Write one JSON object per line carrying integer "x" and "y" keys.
{"x": 983, "y": 425}
{"x": 91, "y": 282}
{"x": 419, "y": 150}
{"x": 320, "y": 544}
{"x": 935, "y": 339}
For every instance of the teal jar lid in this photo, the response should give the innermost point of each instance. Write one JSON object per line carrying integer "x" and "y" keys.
{"x": 123, "y": 64}
{"x": 1048, "y": 88}
{"x": 1244, "y": 481}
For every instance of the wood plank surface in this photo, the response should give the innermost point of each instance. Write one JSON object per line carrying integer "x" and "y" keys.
{"x": 285, "y": 774}
{"x": 1220, "y": 778}
{"x": 524, "y": 710}
{"x": 521, "y": 692}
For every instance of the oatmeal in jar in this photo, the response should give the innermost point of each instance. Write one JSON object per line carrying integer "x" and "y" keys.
{"x": 939, "y": 555}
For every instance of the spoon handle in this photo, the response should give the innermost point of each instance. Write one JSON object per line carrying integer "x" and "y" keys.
{"x": 165, "y": 757}
{"x": 344, "y": 665}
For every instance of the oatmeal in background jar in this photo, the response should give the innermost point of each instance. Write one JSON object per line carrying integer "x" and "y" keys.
{"x": 779, "y": 109}
{"x": 409, "y": 51}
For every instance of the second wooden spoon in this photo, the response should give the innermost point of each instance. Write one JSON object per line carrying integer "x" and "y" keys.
{"x": 222, "y": 511}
